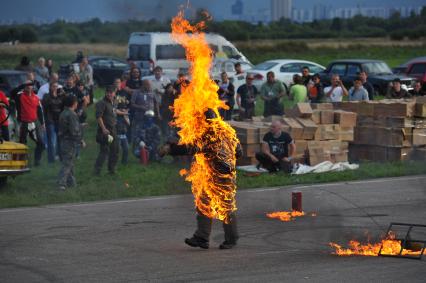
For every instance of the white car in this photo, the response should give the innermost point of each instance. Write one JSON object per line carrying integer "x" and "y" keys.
{"x": 284, "y": 69}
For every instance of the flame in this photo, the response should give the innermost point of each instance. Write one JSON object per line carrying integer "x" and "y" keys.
{"x": 214, "y": 140}
{"x": 389, "y": 245}
{"x": 285, "y": 216}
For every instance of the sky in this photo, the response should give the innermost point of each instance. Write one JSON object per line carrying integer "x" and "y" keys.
{"x": 113, "y": 10}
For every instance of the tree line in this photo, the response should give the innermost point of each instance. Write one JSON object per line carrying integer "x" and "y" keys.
{"x": 96, "y": 31}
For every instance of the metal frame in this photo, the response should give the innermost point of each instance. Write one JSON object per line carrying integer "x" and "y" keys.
{"x": 405, "y": 241}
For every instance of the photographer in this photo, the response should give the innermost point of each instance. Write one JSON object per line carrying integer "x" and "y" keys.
{"x": 336, "y": 91}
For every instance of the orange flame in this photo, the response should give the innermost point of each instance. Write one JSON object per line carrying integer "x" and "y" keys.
{"x": 285, "y": 216}
{"x": 215, "y": 140}
{"x": 389, "y": 245}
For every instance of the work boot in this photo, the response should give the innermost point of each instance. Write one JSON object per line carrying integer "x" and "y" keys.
{"x": 227, "y": 245}
{"x": 197, "y": 242}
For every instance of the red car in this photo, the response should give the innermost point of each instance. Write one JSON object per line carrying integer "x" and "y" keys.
{"x": 417, "y": 70}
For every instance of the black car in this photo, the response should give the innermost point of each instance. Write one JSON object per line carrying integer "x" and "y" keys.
{"x": 105, "y": 69}
{"x": 379, "y": 73}
{"x": 10, "y": 79}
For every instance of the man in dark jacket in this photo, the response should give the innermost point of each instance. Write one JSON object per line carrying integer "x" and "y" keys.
{"x": 70, "y": 139}
{"x": 106, "y": 135}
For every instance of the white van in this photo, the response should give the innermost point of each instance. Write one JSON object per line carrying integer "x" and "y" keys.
{"x": 149, "y": 49}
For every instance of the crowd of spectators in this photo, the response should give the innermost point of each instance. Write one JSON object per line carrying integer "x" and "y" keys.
{"x": 135, "y": 114}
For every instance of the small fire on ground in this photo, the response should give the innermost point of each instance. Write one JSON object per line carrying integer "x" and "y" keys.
{"x": 287, "y": 216}
{"x": 389, "y": 246}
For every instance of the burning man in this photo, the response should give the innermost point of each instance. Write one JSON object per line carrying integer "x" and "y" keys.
{"x": 220, "y": 172}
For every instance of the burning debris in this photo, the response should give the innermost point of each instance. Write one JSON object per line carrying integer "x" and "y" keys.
{"x": 287, "y": 216}
{"x": 390, "y": 246}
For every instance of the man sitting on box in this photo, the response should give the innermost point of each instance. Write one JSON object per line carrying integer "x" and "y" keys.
{"x": 277, "y": 150}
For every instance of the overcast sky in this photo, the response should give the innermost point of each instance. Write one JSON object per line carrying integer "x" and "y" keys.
{"x": 80, "y": 10}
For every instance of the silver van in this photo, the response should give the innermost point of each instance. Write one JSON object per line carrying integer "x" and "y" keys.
{"x": 149, "y": 49}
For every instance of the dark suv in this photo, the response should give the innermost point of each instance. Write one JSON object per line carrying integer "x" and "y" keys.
{"x": 379, "y": 74}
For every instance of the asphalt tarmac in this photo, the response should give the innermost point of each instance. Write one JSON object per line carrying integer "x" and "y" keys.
{"x": 142, "y": 239}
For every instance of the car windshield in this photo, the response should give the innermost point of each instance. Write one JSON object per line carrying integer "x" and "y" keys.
{"x": 139, "y": 52}
{"x": 265, "y": 66}
{"x": 16, "y": 79}
{"x": 377, "y": 68}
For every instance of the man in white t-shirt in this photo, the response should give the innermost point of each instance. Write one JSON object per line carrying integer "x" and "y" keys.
{"x": 44, "y": 89}
{"x": 336, "y": 91}
{"x": 158, "y": 83}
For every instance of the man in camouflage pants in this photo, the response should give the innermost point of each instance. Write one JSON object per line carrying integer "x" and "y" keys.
{"x": 70, "y": 138}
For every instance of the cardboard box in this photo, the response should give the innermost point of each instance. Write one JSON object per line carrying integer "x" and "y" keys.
{"x": 346, "y": 134}
{"x": 327, "y": 117}
{"x": 272, "y": 118}
{"x": 296, "y": 129}
{"x": 316, "y": 116}
{"x": 322, "y": 106}
{"x": 247, "y": 134}
{"x": 244, "y": 161}
{"x": 302, "y": 110}
{"x": 419, "y": 137}
{"x": 301, "y": 147}
{"x": 361, "y": 152}
{"x": 309, "y": 128}
{"x": 250, "y": 150}
{"x": 345, "y": 118}
{"x": 420, "y": 110}
{"x": 326, "y": 132}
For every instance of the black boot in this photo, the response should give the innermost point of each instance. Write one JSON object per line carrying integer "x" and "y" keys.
{"x": 197, "y": 242}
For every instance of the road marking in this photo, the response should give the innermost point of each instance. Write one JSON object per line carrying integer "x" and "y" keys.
{"x": 240, "y": 192}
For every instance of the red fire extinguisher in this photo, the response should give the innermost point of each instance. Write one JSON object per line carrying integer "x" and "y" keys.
{"x": 143, "y": 155}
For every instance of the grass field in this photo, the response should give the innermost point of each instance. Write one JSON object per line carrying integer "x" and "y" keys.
{"x": 134, "y": 180}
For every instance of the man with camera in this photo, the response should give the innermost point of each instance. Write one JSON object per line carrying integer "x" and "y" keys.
{"x": 336, "y": 91}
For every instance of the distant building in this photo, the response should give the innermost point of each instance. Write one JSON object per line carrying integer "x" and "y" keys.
{"x": 281, "y": 9}
{"x": 237, "y": 8}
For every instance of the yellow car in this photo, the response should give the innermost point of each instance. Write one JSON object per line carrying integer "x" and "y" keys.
{"x": 13, "y": 160}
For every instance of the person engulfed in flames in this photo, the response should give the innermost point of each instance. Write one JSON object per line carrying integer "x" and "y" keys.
{"x": 219, "y": 200}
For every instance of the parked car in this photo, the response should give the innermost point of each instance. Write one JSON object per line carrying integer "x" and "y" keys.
{"x": 105, "y": 69}
{"x": 149, "y": 49}
{"x": 417, "y": 70}
{"x": 402, "y": 69}
{"x": 10, "y": 79}
{"x": 13, "y": 159}
{"x": 284, "y": 70}
{"x": 379, "y": 74}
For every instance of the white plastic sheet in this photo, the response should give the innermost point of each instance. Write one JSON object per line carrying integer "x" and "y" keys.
{"x": 325, "y": 166}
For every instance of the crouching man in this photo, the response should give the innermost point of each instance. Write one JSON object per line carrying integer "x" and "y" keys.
{"x": 277, "y": 150}
{"x": 69, "y": 132}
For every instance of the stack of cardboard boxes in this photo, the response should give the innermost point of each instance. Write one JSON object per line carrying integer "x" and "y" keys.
{"x": 388, "y": 130}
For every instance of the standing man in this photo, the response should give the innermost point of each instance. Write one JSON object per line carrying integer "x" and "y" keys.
{"x": 369, "y": 87}
{"x": 395, "y": 91}
{"x": 336, "y": 91}
{"x": 226, "y": 93}
{"x": 358, "y": 92}
{"x": 158, "y": 83}
{"x": 123, "y": 121}
{"x": 306, "y": 77}
{"x": 246, "y": 98}
{"x": 86, "y": 76}
{"x": 70, "y": 139}
{"x": 298, "y": 91}
{"x": 277, "y": 150}
{"x": 271, "y": 92}
{"x": 30, "y": 114}
{"x": 106, "y": 135}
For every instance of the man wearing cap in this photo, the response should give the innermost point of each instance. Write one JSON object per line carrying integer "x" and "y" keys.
{"x": 106, "y": 135}
{"x": 395, "y": 91}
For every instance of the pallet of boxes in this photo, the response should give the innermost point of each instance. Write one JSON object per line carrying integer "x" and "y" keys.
{"x": 388, "y": 130}
{"x": 321, "y": 134}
